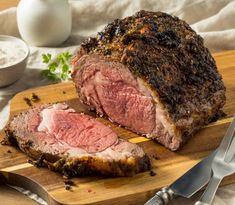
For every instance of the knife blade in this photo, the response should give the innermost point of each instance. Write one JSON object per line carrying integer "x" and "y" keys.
{"x": 187, "y": 185}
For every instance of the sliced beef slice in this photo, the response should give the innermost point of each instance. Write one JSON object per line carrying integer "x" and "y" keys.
{"x": 74, "y": 143}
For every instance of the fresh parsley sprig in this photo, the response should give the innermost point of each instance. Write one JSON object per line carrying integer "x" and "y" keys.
{"x": 58, "y": 69}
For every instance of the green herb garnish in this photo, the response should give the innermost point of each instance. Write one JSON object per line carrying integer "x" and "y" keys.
{"x": 58, "y": 69}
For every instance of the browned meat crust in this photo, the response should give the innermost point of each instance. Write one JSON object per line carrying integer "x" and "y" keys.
{"x": 171, "y": 58}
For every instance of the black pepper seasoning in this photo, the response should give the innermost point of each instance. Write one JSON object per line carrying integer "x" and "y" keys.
{"x": 152, "y": 173}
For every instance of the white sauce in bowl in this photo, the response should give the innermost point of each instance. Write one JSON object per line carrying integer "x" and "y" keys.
{"x": 11, "y": 52}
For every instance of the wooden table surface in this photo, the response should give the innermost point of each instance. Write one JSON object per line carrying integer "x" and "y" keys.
{"x": 8, "y": 195}
{"x": 4, "y": 4}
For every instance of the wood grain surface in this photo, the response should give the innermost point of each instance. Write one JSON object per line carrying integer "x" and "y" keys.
{"x": 126, "y": 190}
{"x": 5, "y": 4}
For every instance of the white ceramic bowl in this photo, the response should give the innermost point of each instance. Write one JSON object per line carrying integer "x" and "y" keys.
{"x": 13, "y": 71}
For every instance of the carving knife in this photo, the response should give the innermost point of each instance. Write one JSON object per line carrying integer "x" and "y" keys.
{"x": 187, "y": 185}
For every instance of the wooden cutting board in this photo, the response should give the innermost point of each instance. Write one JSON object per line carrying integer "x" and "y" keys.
{"x": 97, "y": 190}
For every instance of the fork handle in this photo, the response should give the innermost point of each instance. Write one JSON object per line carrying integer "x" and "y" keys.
{"x": 209, "y": 193}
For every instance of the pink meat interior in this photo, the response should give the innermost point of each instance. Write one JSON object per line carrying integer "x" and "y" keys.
{"x": 111, "y": 89}
{"x": 64, "y": 126}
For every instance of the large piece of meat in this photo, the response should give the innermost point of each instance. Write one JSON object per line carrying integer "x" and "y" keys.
{"x": 152, "y": 74}
{"x": 74, "y": 143}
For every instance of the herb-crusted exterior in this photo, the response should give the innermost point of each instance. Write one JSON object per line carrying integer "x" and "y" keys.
{"x": 166, "y": 53}
{"x": 171, "y": 59}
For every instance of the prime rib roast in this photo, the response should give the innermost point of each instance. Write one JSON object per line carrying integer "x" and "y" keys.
{"x": 152, "y": 74}
{"x": 74, "y": 143}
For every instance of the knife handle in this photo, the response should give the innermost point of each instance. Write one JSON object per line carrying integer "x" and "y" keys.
{"x": 163, "y": 197}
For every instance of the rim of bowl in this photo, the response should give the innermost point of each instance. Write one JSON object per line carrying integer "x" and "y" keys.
{"x": 22, "y": 43}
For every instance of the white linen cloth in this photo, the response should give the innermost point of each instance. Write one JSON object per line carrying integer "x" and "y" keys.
{"x": 214, "y": 20}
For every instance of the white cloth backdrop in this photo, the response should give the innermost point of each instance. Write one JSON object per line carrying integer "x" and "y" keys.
{"x": 214, "y": 20}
